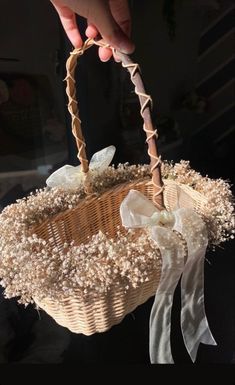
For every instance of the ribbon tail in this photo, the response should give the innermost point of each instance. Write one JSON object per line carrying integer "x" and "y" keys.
{"x": 194, "y": 324}
{"x": 160, "y": 317}
{"x": 160, "y": 329}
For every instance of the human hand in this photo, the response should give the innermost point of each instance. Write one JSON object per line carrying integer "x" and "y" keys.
{"x": 108, "y": 18}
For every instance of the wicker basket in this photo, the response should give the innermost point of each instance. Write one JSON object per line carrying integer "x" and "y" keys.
{"x": 96, "y": 214}
{"x": 91, "y": 216}
{"x": 101, "y": 212}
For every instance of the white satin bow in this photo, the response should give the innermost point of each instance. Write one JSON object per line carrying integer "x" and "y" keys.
{"x": 70, "y": 177}
{"x": 137, "y": 211}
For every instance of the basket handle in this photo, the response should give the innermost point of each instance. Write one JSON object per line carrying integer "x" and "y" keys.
{"x": 145, "y": 103}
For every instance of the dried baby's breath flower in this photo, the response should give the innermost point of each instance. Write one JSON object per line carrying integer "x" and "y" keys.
{"x": 31, "y": 267}
{"x": 218, "y": 210}
{"x": 39, "y": 270}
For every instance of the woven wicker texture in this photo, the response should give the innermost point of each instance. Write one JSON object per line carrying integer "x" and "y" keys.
{"x": 102, "y": 213}
{"x": 88, "y": 218}
{"x": 99, "y": 315}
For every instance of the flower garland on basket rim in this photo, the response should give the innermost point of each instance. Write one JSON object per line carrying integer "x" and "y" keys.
{"x": 87, "y": 263}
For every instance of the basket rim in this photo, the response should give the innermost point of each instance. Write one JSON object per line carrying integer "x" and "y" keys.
{"x": 89, "y": 199}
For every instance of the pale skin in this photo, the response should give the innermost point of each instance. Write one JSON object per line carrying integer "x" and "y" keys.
{"x": 109, "y": 19}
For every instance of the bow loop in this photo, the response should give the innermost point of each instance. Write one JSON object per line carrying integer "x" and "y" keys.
{"x": 71, "y": 177}
{"x": 137, "y": 211}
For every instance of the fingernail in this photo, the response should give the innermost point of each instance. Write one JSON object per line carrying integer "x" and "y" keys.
{"x": 122, "y": 43}
{"x": 104, "y": 60}
{"x": 126, "y": 47}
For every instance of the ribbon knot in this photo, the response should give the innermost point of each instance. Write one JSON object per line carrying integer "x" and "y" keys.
{"x": 162, "y": 218}
{"x": 166, "y": 230}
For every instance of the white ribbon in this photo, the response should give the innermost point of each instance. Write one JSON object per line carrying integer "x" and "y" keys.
{"x": 137, "y": 211}
{"x": 70, "y": 177}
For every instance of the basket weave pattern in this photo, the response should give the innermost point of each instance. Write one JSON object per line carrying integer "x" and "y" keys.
{"x": 86, "y": 219}
{"x": 99, "y": 314}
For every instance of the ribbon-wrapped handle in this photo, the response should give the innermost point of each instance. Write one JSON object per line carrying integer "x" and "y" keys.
{"x": 145, "y": 103}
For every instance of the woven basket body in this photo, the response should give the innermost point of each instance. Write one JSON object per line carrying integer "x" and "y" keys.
{"x": 99, "y": 314}
{"x": 95, "y": 214}
{"x": 88, "y": 218}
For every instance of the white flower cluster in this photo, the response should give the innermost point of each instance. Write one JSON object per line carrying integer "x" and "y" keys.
{"x": 36, "y": 269}
{"x": 218, "y": 212}
{"x": 31, "y": 267}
